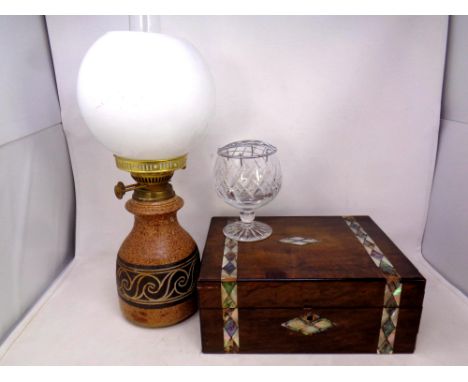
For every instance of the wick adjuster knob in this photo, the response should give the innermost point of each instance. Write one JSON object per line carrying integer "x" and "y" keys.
{"x": 120, "y": 189}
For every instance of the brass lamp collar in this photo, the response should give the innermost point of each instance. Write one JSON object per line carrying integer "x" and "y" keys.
{"x": 152, "y": 176}
{"x": 150, "y": 166}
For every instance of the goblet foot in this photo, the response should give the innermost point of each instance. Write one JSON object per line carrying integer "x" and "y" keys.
{"x": 254, "y": 231}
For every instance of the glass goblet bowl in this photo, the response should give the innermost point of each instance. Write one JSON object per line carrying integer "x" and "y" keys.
{"x": 247, "y": 176}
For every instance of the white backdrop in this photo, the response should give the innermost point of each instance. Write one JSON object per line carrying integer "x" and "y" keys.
{"x": 28, "y": 98}
{"x": 445, "y": 239}
{"x": 37, "y": 203}
{"x": 352, "y": 103}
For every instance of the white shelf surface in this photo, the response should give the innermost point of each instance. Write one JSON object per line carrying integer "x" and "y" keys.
{"x": 78, "y": 322}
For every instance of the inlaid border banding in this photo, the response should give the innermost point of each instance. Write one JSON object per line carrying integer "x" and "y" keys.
{"x": 229, "y": 297}
{"x": 393, "y": 287}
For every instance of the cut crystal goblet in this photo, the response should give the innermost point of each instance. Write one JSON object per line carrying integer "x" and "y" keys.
{"x": 247, "y": 176}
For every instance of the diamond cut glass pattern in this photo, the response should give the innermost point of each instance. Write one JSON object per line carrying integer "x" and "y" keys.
{"x": 247, "y": 176}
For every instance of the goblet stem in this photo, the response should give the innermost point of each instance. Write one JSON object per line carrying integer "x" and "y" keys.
{"x": 247, "y": 216}
{"x": 247, "y": 229}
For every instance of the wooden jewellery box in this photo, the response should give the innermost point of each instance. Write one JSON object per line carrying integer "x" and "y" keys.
{"x": 316, "y": 285}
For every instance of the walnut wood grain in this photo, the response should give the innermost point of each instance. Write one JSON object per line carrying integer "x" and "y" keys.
{"x": 407, "y": 330}
{"x": 337, "y": 255}
{"x": 335, "y": 278}
{"x": 356, "y": 331}
{"x": 290, "y": 294}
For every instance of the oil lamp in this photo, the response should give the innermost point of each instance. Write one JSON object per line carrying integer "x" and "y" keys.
{"x": 147, "y": 97}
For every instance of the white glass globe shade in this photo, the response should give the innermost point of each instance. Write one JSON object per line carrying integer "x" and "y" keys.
{"x": 145, "y": 95}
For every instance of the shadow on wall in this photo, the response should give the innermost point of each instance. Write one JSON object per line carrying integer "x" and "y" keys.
{"x": 445, "y": 240}
{"x": 37, "y": 201}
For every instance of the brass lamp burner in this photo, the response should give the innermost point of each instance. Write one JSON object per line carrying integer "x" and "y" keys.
{"x": 152, "y": 177}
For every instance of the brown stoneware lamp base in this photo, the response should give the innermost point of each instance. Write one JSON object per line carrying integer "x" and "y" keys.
{"x": 158, "y": 263}
{"x": 157, "y": 266}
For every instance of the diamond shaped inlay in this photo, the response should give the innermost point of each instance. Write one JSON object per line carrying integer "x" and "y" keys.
{"x": 229, "y": 267}
{"x": 299, "y": 240}
{"x": 230, "y": 256}
{"x": 307, "y": 325}
{"x": 377, "y": 255}
{"x": 388, "y": 327}
{"x": 230, "y": 326}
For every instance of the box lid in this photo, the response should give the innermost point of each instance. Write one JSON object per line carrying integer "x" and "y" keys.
{"x": 330, "y": 261}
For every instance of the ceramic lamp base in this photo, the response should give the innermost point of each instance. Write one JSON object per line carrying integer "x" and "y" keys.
{"x": 158, "y": 318}
{"x": 157, "y": 266}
